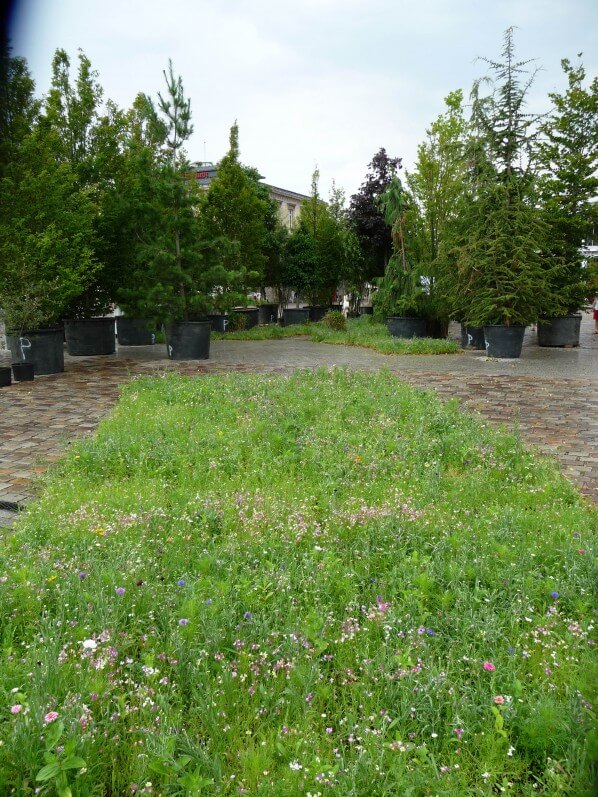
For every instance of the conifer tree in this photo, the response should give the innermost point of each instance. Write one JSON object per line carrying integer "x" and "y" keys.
{"x": 501, "y": 260}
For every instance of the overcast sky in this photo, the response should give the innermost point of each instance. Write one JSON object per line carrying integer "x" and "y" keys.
{"x": 324, "y": 82}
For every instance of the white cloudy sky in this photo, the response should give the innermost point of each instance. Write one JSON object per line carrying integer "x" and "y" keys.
{"x": 324, "y": 82}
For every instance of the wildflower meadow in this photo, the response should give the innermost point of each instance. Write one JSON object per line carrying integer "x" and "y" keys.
{"x": 320, "y": 584}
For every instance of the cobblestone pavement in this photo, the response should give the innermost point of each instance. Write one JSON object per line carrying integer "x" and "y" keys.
{"x": 551, "y": 395}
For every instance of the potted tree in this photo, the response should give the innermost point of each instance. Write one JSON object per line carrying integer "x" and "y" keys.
{"x": 400, "y": 297}
{"x": 46, "y": 252}
{"x": 568, "y": 154}
{"x": 184, "y": 265}
{"x": 501, "y": 262}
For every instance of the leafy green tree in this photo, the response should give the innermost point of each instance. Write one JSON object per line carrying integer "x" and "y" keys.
{"x": 501, "y": 264}
{"x": 18, "y": 107}
{"x": 275, "y": 239}
{"x": 235, "y": 211}
{"x": 568, "y": 154}
{"x": 400, "y": 292}
{"x": 91, "y": 140}
{"x": 322, "y": 261}
{"x": 299, "y": 262}
{"x": 46, "y": 234}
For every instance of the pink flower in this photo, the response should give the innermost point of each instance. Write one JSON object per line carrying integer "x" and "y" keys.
{"x": 51, "y": 716}
{"x": 488, "y": 666}
{"x": 499, "y": 700}
{"x": 459, "y": 732}
{"x": 16, "y": 709}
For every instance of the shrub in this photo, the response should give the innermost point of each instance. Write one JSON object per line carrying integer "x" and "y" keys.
{"x": 237, "y": 322}
{"x": 334, "y": 319}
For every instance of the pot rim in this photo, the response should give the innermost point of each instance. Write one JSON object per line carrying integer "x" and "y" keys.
{"x": 13, "y": 333}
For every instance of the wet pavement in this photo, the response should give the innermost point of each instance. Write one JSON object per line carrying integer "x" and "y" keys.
{"x": 551, "y": 395}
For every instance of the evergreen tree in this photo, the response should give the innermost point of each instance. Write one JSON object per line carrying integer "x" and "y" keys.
{"x": 501, "y": 263}
{"x": 568, "y": 153}
{"x": 182, "y": 265}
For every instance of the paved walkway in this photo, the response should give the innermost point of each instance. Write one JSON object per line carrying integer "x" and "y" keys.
{"x": 551, "y": 394}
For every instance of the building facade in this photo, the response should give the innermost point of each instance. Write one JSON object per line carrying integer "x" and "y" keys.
{"x": 288, "y": 202}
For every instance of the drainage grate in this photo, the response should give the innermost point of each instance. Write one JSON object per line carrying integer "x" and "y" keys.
{"x": 11, "y": 506}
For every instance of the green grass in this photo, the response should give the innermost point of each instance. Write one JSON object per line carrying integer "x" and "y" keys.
{"x": 362, "y": 332}
{"x": 328, "y": 583}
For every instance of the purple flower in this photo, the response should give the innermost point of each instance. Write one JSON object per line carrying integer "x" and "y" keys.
{"x": 181, "y": 582}
{"x": 430, "y": 632}
{"x": 421, "y": 630}
{"x": 248, "y": 615}
{"x": 120, "y": 590}
{"x": 554, "y": 595}
{"x": 82, "y": 575}
{"x": 208, "y": 601}
{"x": 183, "y": 621}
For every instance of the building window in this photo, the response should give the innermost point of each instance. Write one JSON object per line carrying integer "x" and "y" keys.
{"x": 291, "y": 215}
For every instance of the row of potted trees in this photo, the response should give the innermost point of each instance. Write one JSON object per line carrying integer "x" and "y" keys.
{"x": 489, "y": 229}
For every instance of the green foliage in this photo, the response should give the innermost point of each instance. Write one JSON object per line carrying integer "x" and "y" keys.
{"x": 18, "y": 108}
{"x": 336, "y": 320}
{"x": 181, "y": 264}
{"x": 437, "y": 188}
{"x": 234, "y": 210}
{"x": 400, "y": 292}
{"x": 315, "y": 253}
{"x": 501, "y": 266}
{"x": 568, "y": 154}
{"x": 89, "y": 140}
{"x": 231, "y": 557}
{"x": 46, "y": 235}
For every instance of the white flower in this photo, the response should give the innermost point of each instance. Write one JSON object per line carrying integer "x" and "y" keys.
{"x": 485, "y": 775}
{"x": 89, "y": 644}
{"x": 511, "y": 750}
{"x": 295, "y": 765}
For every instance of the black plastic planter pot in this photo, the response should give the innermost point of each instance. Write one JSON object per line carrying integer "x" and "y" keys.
{"x": 86, "y": 337}
{"x": 267, "y": 314}
{"x": 317, "y": 312}
{"x": 472, "y": 338}
{"x": 251, "y": 314}
{"x": 44, "y": 348}
{"x": 218, "y": 321}
{"x": 295, "y": 315}
{"x": 366, "y": 311}
{"x": 504, "y": 341}
{"x": 400, "y": 327}
{"x": 188, "y": 340}
{"x": 436, "y": 328}
{"x": 563, "y": 331}
{"x": 134, "y": 331}
{"x": 5, "y": 377}
{"x": 22, "y": 372}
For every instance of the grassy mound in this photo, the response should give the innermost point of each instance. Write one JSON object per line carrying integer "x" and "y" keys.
{"x": 362, "y": 332}
{"x": 327, "y": 583}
